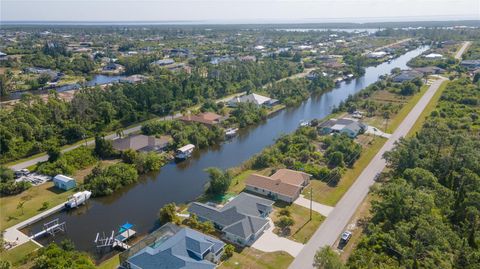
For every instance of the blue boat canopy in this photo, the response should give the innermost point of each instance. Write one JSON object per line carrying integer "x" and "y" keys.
{"x": 125, "y": 227}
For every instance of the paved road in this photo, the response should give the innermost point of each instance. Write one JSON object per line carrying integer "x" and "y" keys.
{"x": 127, "y": 131}
{"x": 333, "y": 226}
{"x": 44, "y": 157}
{"x": 460, "y": 52}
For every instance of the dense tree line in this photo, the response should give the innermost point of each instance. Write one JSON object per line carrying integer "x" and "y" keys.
{"x": 185, "y": 133}
{"x": 427, "y": 215}
{"x": 67, "y": 163}
{"x": 8, "y": 186}
{"x": 105, "y": 181}
{"x": 293, "y": 91}
{"x": 35, "y": 125}
{"x": 303, "y": 149}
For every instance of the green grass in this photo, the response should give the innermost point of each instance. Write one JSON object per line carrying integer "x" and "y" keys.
{"x": 328, "y": 195}
{"x": 111, "y": 263}
{"x": 400, "y": 116}
{"x": 254, "y": 259}
{"x": 238, "y": 182}
{"x": 18, "y": 254}
{"x": 304, "y": 228}
{"x": 428, "y": 110}
{"x": 34, "y": 199}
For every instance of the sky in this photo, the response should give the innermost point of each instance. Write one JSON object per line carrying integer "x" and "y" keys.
{"x": 239, "y": 11}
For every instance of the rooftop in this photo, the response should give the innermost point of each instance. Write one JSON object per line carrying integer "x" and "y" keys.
{"x": 183, "y": 250}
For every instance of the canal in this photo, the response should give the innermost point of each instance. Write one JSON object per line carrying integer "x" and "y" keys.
{"x": 180, "y": 183}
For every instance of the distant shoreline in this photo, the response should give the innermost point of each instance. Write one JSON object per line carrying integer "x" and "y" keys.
{"x": 339, "y": 24}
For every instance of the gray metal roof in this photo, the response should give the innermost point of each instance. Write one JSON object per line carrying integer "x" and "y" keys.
{"x": 181, "y": 251}
{"x": 241, "y": 216}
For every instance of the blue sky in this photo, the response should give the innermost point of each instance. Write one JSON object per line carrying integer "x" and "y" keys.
{"x": 239, "y": 10}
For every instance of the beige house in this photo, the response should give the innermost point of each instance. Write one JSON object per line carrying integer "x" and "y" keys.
{"x": 285, "y": 184}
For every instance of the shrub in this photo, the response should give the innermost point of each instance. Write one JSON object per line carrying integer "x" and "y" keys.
{"x": 104, "y": 181}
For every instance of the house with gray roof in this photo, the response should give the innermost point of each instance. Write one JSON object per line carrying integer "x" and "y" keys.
{"x": 253, "y": 98}
{"x": 470, "y": 64}
{"x": 242, "y": 220}
{"x": 350, "y": 127}
{"x": 142, "y": 143}
{"x": 186, "y": 249}
{"x": 407, "y": 75}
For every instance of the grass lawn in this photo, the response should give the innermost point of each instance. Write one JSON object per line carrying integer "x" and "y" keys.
{"x": 238, "y": 182}
{"x": 303, "y": 228}
{"x": 35, "y": 197}
{"x": 250, "y": 258}
{"x": 111, "y": 263}
{"x": 428, "y": 109}
{"x": 328, "y": 195}
{"x": 17, "y": 255}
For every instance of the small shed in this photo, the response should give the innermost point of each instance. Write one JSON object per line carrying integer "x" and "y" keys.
{"x": 64, "y": 182}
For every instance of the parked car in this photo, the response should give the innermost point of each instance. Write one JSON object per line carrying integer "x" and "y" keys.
{"x": 345, "y": 237}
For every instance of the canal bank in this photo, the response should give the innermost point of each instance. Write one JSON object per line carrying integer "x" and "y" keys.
{"x": 183, "y": 182}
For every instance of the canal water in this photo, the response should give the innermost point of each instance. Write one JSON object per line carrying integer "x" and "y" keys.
{"x": 183, "y": 182}
{"x": 97, "y": 80}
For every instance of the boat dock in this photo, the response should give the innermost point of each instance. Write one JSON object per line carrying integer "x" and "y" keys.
{"x": 16, "y": 238}
{"x": 115, "y": 241}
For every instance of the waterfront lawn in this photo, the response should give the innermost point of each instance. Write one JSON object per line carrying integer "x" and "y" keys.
{"x": 111, "y": 263}
{"x": 255, "y": 259}
{"x": 324, "y": 194}
{"x": 18, "y": 255}
{"x": 303, "y": 228}
{"x": 34, "y": 198}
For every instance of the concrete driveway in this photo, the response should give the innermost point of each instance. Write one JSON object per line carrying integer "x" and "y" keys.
{"x": 375, "y": 131}
{"x": 317, "y": 207}
{"x": 270, "y": 242}
{"x": 333, "y": 226}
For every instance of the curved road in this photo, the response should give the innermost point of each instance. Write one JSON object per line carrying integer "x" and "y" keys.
{"x": 336, "y": 221}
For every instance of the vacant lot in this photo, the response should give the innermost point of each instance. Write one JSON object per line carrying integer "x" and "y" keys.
{"x": 250, "y": 258}
{"x": 303, "y": 228}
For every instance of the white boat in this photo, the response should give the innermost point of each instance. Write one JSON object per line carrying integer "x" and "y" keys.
{"x": 184, "y": 152}
{"x": 304, "y": 123}
{"x": 78, "y": 199}
{"x": 231, "y": 132}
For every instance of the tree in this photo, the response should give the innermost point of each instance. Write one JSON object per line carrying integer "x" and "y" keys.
{"x": 326, "y": 258}
{"x": 20, "y": 205}
{"x": 54, "y": 154}
{"x": 228, "y": 251}
{"x": 168, "y": 213}
{"x": 336, "y": 159}
{"x": 103, "y": 147}
{"x": 55, "y": 257}
{"x": 285, "y": 212}
{"x": 5, "y": 264}
{"x": 219, "y": 181}
{"x": 284, "y": 223}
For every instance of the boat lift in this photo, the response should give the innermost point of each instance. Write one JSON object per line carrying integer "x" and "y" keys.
{"x": 52, "y": 227}
{"x": 116, "y": 241}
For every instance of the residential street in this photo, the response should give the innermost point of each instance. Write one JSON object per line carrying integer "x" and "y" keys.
{"x": 334, "y": 225}
{"x": 44, "y": 157}
{"x": 460, "y": 52}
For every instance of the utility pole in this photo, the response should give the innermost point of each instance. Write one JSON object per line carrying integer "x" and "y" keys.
{"x": 311, "y": 201}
